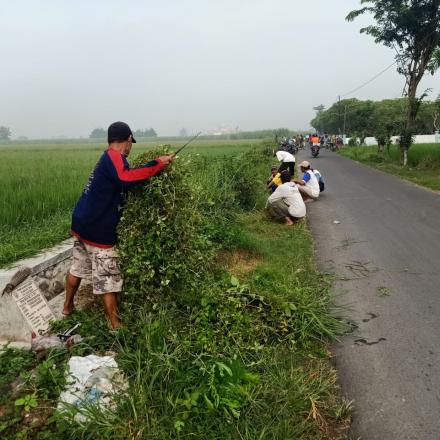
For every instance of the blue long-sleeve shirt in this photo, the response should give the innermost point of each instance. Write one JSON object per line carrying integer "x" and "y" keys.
{"x": 98, "y": 211}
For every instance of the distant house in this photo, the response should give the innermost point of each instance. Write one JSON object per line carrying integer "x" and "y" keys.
{"x": 223, "y": 129}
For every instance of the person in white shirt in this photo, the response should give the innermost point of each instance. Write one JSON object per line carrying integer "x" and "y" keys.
{"x": 286, "y": 202}
{"x": 287, "y": 161}
{"x": 308, "y": 185}
{"x": 320, "y": 180}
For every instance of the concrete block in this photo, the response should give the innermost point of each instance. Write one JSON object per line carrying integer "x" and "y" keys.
{"x": 13, "y": 327}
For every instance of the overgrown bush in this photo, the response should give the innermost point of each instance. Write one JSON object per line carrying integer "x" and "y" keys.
{"x": 172, "y": 226}
{"x": 162, "y": 240}
{"x": 207, "y": 355}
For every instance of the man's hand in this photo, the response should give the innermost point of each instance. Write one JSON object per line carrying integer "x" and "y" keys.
{"x": 167, "y": 159}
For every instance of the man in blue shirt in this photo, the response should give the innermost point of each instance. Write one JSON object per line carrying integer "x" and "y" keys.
{"x": 96, "y": 216}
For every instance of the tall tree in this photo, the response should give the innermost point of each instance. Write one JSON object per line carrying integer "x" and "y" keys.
{"x": 412, "y": 28}
{"x": 5, "y": 133}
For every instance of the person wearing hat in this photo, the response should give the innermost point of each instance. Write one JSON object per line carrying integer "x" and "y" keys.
{"x": 96, "y": 216}
{"x": 286, "y": 202}
{"x": 308, "y": 185}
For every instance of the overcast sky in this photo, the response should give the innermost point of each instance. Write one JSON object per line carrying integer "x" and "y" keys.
{"x": 71, "y": 66}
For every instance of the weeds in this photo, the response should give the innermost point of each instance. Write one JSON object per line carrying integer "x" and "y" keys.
{"x": 209, "y": 355}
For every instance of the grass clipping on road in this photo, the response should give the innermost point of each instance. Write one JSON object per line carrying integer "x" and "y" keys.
{"x": 208, "y": 354}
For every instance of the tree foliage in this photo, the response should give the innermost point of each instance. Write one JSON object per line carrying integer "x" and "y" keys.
{"x": 98, "y": 133}
{"x": 5, "y": 133}
{"x": 412, "y": 28}
{"x": 371, "y": 117}
{"x": 146, "y": 133}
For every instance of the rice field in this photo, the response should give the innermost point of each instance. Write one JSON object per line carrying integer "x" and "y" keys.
{"x": 40, "y": 184}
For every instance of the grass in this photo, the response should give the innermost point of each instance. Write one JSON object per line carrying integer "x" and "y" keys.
{"x": 423, "y": 162}
{"x": 221, "y": 357}
{"x": 41, "y": 184}
{"x": 294, "y": 397}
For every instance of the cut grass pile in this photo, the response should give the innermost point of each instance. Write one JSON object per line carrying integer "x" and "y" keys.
{"x": 207, "y": 355}
{"x": 41, "y": 184}
{"x": 423, "y": 162}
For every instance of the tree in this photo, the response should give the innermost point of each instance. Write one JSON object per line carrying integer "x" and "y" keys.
{"x": 366, "y": 118}
{"x": 98, "y": 133}
{"x": 5, "y": 133}
{"x": 412, "y": 28}
{"x": 319, "y": 109}
{"x": 183, "y": 133}
{"x": 152, "y": 132}
{"x": 147, "y": 133}
{"x": 436, "y": 115}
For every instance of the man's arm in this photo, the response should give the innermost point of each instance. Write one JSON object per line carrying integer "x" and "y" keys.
{"x": 131, "y": 177}
{"x": 304, "y": 180}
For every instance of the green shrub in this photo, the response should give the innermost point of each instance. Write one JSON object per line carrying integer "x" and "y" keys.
{"x": 162, "y": 242}
{"x": 208, "y": 356}
{"x": 172, "y": 226}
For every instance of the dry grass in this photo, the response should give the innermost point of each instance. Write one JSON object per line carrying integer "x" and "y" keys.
{"x": 238, "y": 262}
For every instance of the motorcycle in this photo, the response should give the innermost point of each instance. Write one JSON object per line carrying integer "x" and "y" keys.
{"x": 314, "y": 150}
{"x": 292, "y": 149}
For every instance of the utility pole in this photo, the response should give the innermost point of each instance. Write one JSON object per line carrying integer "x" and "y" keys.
{"x": 345, "y": 120}
{"x": 339, "y": 113}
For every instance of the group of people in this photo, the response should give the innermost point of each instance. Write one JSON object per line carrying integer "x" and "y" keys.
{"x": 289, "y": 195}
{"x": 323, "y": 140}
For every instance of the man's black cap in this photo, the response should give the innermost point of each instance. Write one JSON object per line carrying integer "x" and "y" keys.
{"x": 119, "y": 132}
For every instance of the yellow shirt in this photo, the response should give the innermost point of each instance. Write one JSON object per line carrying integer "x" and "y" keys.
{"x": 277, "y": 179}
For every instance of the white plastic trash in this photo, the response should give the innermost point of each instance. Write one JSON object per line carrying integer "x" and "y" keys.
{"x": 91, "y": 380}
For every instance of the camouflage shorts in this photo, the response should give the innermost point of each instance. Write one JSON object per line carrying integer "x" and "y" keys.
{"x": 98, "y": 264}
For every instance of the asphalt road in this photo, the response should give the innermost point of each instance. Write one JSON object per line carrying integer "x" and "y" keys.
{"x": 385, "y": 253}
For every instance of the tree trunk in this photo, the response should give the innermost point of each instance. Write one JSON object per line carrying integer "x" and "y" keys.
{"x": 411, "y": 114}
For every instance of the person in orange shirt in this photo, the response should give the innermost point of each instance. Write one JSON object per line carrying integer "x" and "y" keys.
{"x": 315, "y": 140}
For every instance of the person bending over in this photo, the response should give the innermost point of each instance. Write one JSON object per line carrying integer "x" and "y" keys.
{"x": 287, "y": 161}
{"x": 286, "y": 202}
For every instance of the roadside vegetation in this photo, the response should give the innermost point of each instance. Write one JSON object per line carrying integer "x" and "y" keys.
{"x": 423, "y": 162}
{"x": 42, "y": 182}
{"x": 364, "y": 118}
{"x": 226, "y": 322}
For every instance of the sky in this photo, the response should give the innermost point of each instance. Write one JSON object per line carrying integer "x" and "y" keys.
{"x": 72, "y": 66}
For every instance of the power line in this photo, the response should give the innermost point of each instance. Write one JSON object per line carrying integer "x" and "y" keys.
{"x": 370, "y": 80}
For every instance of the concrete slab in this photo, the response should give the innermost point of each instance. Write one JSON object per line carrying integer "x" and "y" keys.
{"x": 13, "y": 327}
